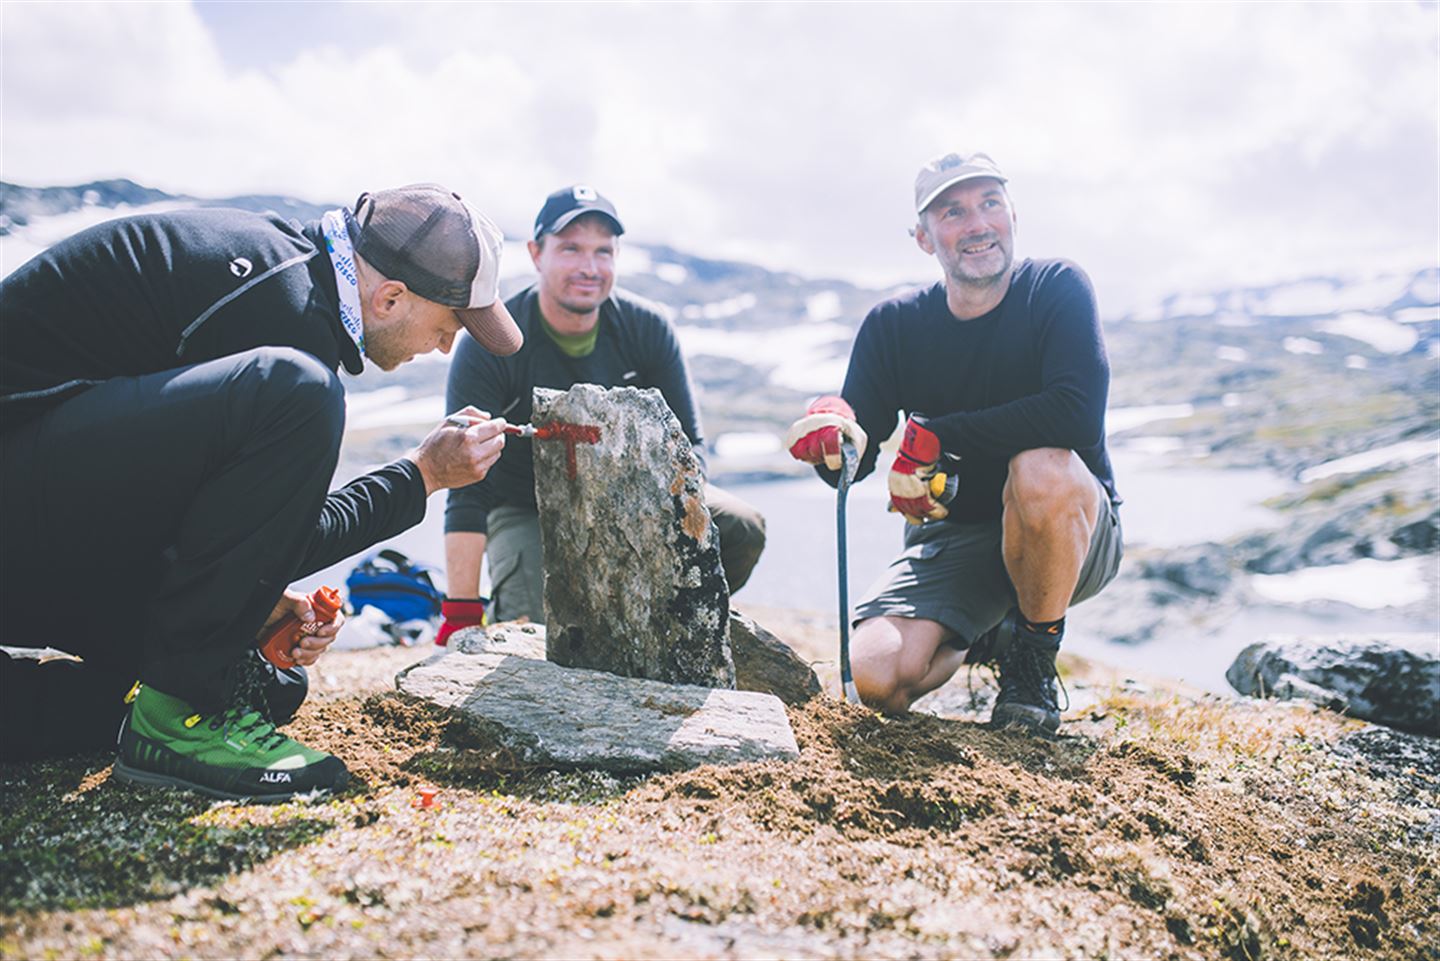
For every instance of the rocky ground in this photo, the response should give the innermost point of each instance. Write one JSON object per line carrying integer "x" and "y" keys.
{"x": 1161, "y": 823}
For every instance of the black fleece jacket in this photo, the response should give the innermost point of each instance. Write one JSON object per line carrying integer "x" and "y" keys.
{"x": 154, "y": 292}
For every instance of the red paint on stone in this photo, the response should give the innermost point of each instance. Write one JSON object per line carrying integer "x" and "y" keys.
{"x": 570, "y": 434}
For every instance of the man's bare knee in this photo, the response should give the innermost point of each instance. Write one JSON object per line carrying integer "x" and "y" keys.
{"x": 874, "y": 662}
{"x": 890, "y": 657}
{"x": 1047, "y": 481}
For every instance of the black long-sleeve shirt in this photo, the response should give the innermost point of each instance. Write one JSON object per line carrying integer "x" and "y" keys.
{"x": 635, "y": 346}
{"x": 154, "y": 292}
{"x": 1030, "y": 373}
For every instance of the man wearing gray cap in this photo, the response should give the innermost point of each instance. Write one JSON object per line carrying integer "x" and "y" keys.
{"x": 1002, "y": 471}
{"x": 170, "y": 421}
{"x": 578, "y": 328}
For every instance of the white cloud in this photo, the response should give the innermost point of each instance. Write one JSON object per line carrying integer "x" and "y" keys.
{"x": 1161, "y": 146}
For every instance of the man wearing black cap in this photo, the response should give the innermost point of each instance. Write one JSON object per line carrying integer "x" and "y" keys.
{"x": 578, "y": 329}
{"x": 170, "y": 420}
{"x": 1002, "y": 471}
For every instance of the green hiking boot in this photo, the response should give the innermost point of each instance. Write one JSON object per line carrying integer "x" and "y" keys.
{"x": 236, "y": 755}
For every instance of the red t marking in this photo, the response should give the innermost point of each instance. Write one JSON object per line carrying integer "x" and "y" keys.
{"x": 570, "y": 434}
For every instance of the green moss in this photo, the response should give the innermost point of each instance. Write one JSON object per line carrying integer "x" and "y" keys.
{"x": 115, "y": 845}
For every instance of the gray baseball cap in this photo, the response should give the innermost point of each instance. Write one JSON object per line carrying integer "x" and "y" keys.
{"x": 943, "y": 172}
{"x": 442, "y": 248}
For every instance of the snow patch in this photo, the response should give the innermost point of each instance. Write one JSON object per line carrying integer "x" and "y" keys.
{"x": 1393, "y": 455}
{"x": 23, "y": 243}
{"x": 1313, "y": 297}
{"x": 1164, "y": 444}
{"x": 744, "y": 445}
{"x": 1192, "y": 305}
{"x": 362, "y": 402}
{"x": 637, "y": 259}
{"x": 1118, "y": 419}
{"x": 671, "y": 273}
{"x": 405, "y": 413}
{"x": 808, "y": 358}
{"x": 515, "y": 260}
{"x": 809, "y": 377}
{"x": 1302, "y": 345}
{"x": 1301, "y": 299}
{"x": 1366, "y": 583}
{"x": 719, "y": 310}
{"x": 823, "y": 306}
{"x": 1381, "y": 333}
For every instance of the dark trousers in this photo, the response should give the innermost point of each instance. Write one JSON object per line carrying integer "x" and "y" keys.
{"x": 149, "y": 525}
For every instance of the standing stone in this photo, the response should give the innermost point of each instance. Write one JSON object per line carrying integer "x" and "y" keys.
{"x": 633, "y": 583}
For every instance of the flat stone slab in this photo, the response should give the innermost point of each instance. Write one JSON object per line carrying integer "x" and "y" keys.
{"x": 533, "y": 713}
{"x": 507, "y": 637}
{"x": 763, "y": 662}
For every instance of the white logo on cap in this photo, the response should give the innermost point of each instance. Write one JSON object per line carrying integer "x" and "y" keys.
{"x": 584, "y": 193}
{"x": 241, "y": 267}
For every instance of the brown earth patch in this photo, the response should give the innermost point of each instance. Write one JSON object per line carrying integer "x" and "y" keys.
{"x": 1156, "y": 826}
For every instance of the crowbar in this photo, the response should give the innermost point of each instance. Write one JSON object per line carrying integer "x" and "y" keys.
{"x": 849, "y": 464}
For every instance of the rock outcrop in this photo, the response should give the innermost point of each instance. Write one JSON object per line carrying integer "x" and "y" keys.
{"x": 1392, "y": 680}
{"x": 633, "y": 583}
{"x": 531, "y": 713}
{"x": 765, "y": 663}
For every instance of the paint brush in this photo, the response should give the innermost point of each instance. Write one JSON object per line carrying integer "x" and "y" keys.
{"x": 514, "y": 430}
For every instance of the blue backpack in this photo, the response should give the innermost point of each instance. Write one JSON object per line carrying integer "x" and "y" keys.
{"x": 390, "y": 581}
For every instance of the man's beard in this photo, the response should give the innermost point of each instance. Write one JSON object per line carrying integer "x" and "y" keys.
{"x": 957, "y": 269}
{"x": 383, "y": 352}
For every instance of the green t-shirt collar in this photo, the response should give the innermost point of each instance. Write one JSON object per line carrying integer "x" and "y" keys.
{"x": 571, "y": 345}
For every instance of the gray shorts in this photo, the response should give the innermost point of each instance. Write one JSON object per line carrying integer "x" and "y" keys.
{"x": 955, "y": 574}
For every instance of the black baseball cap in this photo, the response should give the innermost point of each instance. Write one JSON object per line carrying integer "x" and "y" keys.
{"x": 442, "y": 248}
{"x": 567, "y": 203}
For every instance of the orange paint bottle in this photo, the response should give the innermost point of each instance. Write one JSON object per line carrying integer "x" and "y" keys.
{"x": 280, "y": 641}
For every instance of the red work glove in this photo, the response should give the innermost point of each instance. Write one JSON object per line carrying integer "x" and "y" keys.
{"x": 913, "y": 476}
{"x": 816, "y": 437}
{"x": 459, "y": 614}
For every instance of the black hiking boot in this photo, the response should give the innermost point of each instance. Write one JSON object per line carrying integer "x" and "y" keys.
{"x": 1027, "y": 677}
{"x": 986, "y": 648}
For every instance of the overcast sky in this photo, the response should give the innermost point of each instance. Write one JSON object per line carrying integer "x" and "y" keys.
{"x": 1161, "y": 146}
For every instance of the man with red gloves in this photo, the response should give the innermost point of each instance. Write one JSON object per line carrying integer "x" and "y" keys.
{"x": 1002, "y": 469}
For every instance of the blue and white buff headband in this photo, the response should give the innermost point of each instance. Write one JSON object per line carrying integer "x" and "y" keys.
{"x": 347, "y": 281}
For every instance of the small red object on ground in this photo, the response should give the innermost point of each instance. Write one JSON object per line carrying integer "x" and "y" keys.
{"x": 426, "y": 797}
